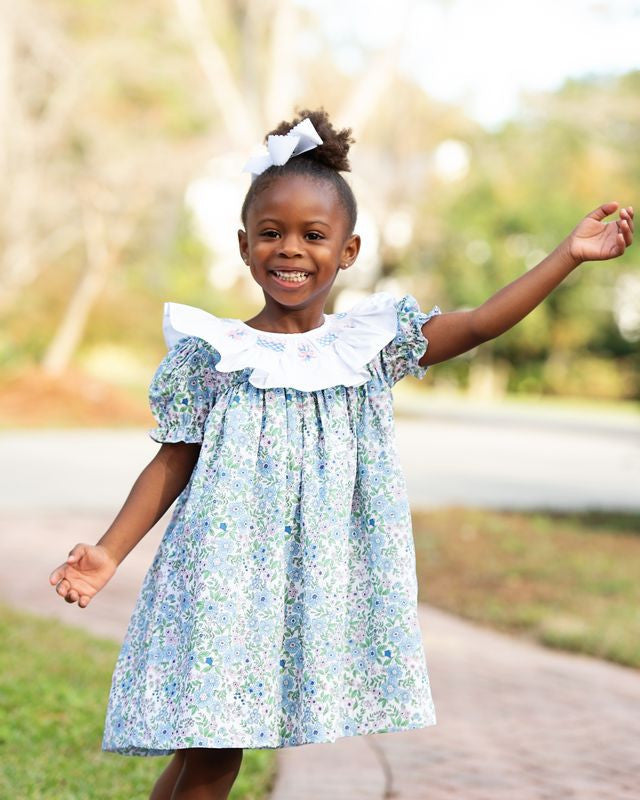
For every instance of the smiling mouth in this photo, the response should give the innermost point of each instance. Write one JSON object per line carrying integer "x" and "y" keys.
{"x": 290, "y": 276}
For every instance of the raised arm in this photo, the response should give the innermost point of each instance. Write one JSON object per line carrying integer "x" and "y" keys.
{"x": 89, "y": 567}
{"x": 455, "y": 332}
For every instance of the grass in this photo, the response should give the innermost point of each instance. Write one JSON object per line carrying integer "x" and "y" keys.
{"x": 566, "y": 580}
{"x": 54, "y": 685}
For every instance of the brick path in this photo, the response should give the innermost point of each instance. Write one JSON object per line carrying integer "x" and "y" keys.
{"x": 515, "y": 721}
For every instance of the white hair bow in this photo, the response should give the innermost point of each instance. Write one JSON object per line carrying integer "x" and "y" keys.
{"x": 280, "y": 149}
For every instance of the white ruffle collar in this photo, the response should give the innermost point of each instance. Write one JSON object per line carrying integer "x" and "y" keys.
{"x": 334, "y": 354}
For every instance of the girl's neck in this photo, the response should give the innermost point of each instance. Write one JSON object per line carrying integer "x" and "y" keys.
{"x": 282, "y": 320}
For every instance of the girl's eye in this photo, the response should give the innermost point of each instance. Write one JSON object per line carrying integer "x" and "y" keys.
{"x": 313, "y": 235}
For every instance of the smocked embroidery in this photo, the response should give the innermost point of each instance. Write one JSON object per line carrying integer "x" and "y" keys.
{"x": 268, "y": 343}
{"x": 339, "y": 354}
{"x": 328, "y": 338}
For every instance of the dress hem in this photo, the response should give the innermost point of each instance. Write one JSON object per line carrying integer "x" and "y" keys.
{"x": 150, "y": 751}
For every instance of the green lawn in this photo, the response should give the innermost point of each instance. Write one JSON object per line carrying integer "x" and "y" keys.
{"x": 567, "y": 580}
{"x": 54, "y": 685}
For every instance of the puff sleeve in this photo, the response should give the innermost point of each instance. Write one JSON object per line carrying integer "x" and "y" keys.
{"x": 401, "y": 355}
{"x": 182, "y": 391}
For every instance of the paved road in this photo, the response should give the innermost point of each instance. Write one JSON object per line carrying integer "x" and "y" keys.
{"x": 450, "y": 457}
{"x": 514, "y": 720}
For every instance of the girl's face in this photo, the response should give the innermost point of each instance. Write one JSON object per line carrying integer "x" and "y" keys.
{"x": 297, "y": 239}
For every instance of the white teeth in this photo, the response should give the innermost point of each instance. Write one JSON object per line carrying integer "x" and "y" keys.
{"x": 292, "y": 277}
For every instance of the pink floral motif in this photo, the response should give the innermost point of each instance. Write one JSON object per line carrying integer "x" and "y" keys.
{"x": 306, "y": 352}
{"x": 236, "y": 333}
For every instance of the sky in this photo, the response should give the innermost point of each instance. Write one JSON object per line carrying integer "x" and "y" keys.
{"x": 483, "y": 53}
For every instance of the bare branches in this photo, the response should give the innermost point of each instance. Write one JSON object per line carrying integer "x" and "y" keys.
{"x": 93, "y": 131}
{"x": 224, "y": 87}
{"x": 282, "y": 71}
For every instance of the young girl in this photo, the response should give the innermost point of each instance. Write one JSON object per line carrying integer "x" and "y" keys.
{"x": 280, "y": 607}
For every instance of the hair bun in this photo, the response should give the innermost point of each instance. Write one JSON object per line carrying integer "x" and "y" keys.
{"x": 335, "y": 145}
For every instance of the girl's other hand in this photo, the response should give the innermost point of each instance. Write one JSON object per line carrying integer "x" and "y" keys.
{"x": 595, "y": 240}
{"x": 87, "y": 569}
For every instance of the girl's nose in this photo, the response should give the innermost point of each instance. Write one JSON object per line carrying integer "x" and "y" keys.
{"x": 290, "y": 246}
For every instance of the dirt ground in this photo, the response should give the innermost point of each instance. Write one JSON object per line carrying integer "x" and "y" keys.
{"x": 29, "y": 398}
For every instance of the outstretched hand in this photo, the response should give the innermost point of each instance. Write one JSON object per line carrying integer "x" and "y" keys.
{"x": 595, "y": 240}
{"x": 87, "y": 569}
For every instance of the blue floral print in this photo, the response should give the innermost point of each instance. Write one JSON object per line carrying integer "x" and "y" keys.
{"x": 281, "y": 605}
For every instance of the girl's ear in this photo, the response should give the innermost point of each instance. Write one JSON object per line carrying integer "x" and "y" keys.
{"x": 350, "y": 250}
{"x": 243, "y": 244}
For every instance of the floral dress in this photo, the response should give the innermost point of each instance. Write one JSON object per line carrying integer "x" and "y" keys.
{"x": 281, "y": 605}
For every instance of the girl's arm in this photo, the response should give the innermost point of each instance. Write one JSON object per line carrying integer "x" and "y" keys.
{"x": 155, "y": 489}
{"x": 89, "y": 567}
{"x": 592, "y": 240}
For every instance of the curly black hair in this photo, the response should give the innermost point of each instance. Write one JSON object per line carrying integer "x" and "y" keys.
{"x": 324, "y": 162}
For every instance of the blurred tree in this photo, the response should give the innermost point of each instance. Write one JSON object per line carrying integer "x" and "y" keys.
{"x": 529, "y": 185}
{"x": 111, "y": 109}
{"x": 94, "y": 147}
{"x": 104, "y": 130}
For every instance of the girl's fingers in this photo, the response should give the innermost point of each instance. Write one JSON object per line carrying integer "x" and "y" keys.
{"x": 57, "y": 574}
{"x": 630, "y": 217}
{"x": 625, "y": 227}
{"x": 71, "y": 595}
{"x": 623, "y": 230}
{"x": 603, "y": 211}
{"x": 76, "y": 553}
